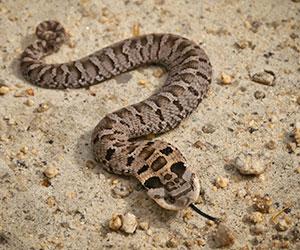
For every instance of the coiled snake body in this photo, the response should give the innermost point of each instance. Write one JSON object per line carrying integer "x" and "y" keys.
{"x": 159, "y": 166}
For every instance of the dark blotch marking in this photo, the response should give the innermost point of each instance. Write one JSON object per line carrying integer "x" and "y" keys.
{"x": 146, "y": 153}
{"x": 158, "y": 112}
{"x": 109, "y": 153}
{"x": 166, "y": 151}
{"x": 149, "y": 143}
{"x": 96, "y": 139}
{"x": 194, "y": 91}
{"x": 159, "y": 163}
{"x": 153, "y": 182}
{"x": 167, "y": 177}
{"x": 178, "y": 168}
{"x": 130, "y": 159}
{"x": 143, "y": 169}
{"x": 178, "y": 105}
{"x": 202, "y": 75}
{"x": 140, "y": 118}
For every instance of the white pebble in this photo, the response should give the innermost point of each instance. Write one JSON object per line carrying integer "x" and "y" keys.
{"x": 249, "y": 165}
{"x": 51, "y": 171}
{"x": 129, "y": 224}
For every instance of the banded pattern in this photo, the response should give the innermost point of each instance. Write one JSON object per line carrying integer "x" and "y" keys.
{"x": 159, "y": 166}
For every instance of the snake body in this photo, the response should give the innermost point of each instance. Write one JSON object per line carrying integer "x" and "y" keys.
{"x": 117, "y": 140}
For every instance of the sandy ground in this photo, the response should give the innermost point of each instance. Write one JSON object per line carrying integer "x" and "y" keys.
{"x": 43, "y": 129}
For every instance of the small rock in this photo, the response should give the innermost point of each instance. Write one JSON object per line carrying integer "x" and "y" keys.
{"x": 121, "y": 190}
{"x": 248, "y": 165}
{"x": 222, "y": 182}
{"x": 129, "y": 223}
{"x": 266, "y": 77}
{"x": 144, "y": 225}
{"x": 24, "y": 150}
{"x": 172, "y": 243}
{"x": 158, "y": 73}
{"x": 258, "y": 229}
{"x": 243, "y": 44}
{"x": 90, "y": 164}
{"x": 223, "y": 237}
{"x": 42, "y": 107}
{"x": 51, "y": 201}
{"x": 262, "y": 204}
{"x": 255, "y": 217}
{"x": 136, "y": 29}
{"x": 29, "y": 103}
{"x": 29, "y": 92}
{"x": 259, "y": 95}
{"x": 116, "y": 222}
{"x": 208, "y": 128}
{"x": 4, "y": 90}
{"x": 282, "y": 225}
{"x": 200, "y": 145}
{"x": 226, "y": 79}
{"x": 51, "y": 171}
{"x": 298, "y": 100}
{"x": 271, "y": 145}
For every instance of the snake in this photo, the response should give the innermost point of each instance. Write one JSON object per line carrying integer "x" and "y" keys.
{"x": 120, "y": 141}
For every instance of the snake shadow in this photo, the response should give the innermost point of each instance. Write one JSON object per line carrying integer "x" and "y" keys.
{"x": 14, "y": 66}
{"x": 137, "y": 202}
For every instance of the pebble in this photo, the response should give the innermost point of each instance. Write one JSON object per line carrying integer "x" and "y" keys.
{"x": 262, "y": 204}
{"x": 282, "y": 225}
{"x": 259, "y": 95}
{"x": 255, "y": 217}
{"x": 270, "y": 145}
{"x": 24, "y": 150}
{"x": 90, "y": 164}
{"x": 249, "y": 165}
{"x": 144, "y": 225}
{"x": 172, "y": 243}
{"x": 201, "y": 145}
{"x": 298, "y": 100}
{"x": 265, "y": 77}
{"x": 29, "y": 92}
{"x": 226, "y": 79}
{"x": 29, "y": 103}
{"x": 51, "y": 171}
{"x": 223, "y": 237}
{"x": 208, "y": 128}
{"x": 158, "y": 73}
{"x": 258, "y": 229}
{"x": 116, "y": 222}
{"x": 51, "y": 201}
{"x": 129, "y": 223}
{"x": 4, "y": 90}
{"x": 42, "y": 107}
{"x": 122, "y": 190}
{"x": 136, "y": 29}
{"x": 222, "y": 182}
{"x": 243, "y": 44}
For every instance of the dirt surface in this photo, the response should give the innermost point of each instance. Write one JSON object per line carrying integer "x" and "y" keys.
{"x": 47, "y": 132}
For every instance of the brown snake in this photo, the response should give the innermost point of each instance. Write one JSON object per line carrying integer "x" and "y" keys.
{"x": 117, "y": 140}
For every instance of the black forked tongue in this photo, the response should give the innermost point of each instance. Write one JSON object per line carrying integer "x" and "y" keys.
{"x": 198, "y": 211}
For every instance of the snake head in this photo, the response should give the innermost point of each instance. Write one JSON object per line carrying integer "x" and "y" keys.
{"x": 176, "y": 189}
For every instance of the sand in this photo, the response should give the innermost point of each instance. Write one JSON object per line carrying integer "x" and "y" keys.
{"x": 48, "y": 132}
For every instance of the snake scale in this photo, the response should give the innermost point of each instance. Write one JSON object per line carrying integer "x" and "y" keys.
{"x": 118, "y": 140}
